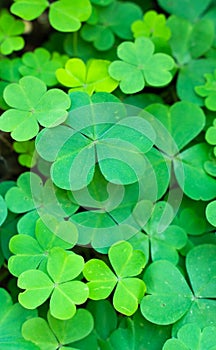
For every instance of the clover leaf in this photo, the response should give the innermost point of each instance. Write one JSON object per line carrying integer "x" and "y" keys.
{"x": 194, "y": 41}
{"x": 3, "y": 210}
{"x": 208, "y": 91}
{"x": 190, "y": 336}
{"x": 10, "y": 30}
{"x": 126, "y": 263}
{"x": 169, "y": 297}
{"x": 32, "y": 253}
{"x": 210, "y": 135}
{"x": 62, "y": 268}
{"x": 132, "y": 134}
{"x": 12, "y": 316}
{"x": 165, "y": 240}
{"x": 194, "y": 9}
{"x": 90, "y": 77}
{"x": 27, "y": 155}
{"x": 114, "y": 19}
{"x": 153, "y": 25}
{"x": 32, "y": 104}
{"x": 139, "y": 65}
{"x": 40, "y": 64}
{"x": 211, "y": 213}
{"x": 29, "y": 10}
{"x": 54, "y": 332}
{"x": 64, "y": 15}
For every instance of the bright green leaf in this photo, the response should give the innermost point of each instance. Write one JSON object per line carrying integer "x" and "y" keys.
{"x": 29, "y": 10}
{"x": 211, "y": 213}
{"x": 10, "y": 31}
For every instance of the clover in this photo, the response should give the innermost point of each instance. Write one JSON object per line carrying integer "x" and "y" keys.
{"x": 138, "y": 66}
{"x": 90, "y": 77}
{"x": 127, "y": 263}
{"x": 31, "y": 104}
{"x": 40, "y": 332}
{"x": 10, "y": 31}
{"x": 208, "y": 91}
{"x": 109, "y": 21}
{"x": 153, "y": 25}
{"x": 58, "y": 284}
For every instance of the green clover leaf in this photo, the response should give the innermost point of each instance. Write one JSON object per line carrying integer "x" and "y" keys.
{"x": 132, "y": 134}
{"x": 139, "y": 65}
{"x": 165, "y": 240}
{"x": 10, "y": 30}
{"x": 32, "y": 105}
{"x": 190, "y": 41}
{"x": 40, "y": 64}
{"x": 169, "y": 297}
{"x": 64, "y": 15}
{"x": 32, "y": 253}
{"x": 29, "y": 10}
{"x": 126, "y": 263}
{"x": 190, "y": 336}
{"x": 54, "y": 332}
{"x": 3, "y": 210}
{"x": 194, "y": 9}
{"x": 62, "y": 268}
{"x": 208, "y": 91}
{"x": 27, "y": 155}
{"x": 211, "y": 213}
{"x": 106, "y": 22}
{"x": 153, "y": 25}
{"x": 90, "y": 77}
{"x": 12, "y": 316}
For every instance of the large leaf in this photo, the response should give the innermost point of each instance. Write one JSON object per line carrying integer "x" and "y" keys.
{"x": 29, "y": 10}
{"x": 190, "y": 173}
{"x": 12, "y": 317}
{"x": 169, "y": 295}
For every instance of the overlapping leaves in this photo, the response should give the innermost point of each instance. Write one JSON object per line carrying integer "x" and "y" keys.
{"x": 10, "y": 34}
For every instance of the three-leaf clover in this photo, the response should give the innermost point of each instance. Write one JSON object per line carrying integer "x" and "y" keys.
{"x": 169, "y": 298}
{"x": 108, "y": 21}
{"x": 190, "y": 336}
{"x": 153, "y": 25}
{"x": 54, "y": 332}
{"x": 126, "y": 263}
{"x": 62, "y": 268}
{"x": 64, "y": 15}
{"x": 40, "y": 64}
{"x": 90, "y": 77}
{"x": 208, "y": 90}
{"x": 32, "y": 252}
{"x": 10, "y": 30}
{"x": 31, "y": 104}
{"x": 140, "y": 66}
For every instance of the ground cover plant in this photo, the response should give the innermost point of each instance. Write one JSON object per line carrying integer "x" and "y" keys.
{"x": 107, "y": 177}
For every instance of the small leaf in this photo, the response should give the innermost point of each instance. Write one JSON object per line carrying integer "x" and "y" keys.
{"x": 126, "y": 261}
{"x": 3, "y": 210}
{"x": 29, "y": 10}
{"x": 128, "y": 293}
{"x": 66, "y": 16}
{"x": 101, "y": 279}
{"x": 38, "y": 288}
{"x": 211, "y": 213}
